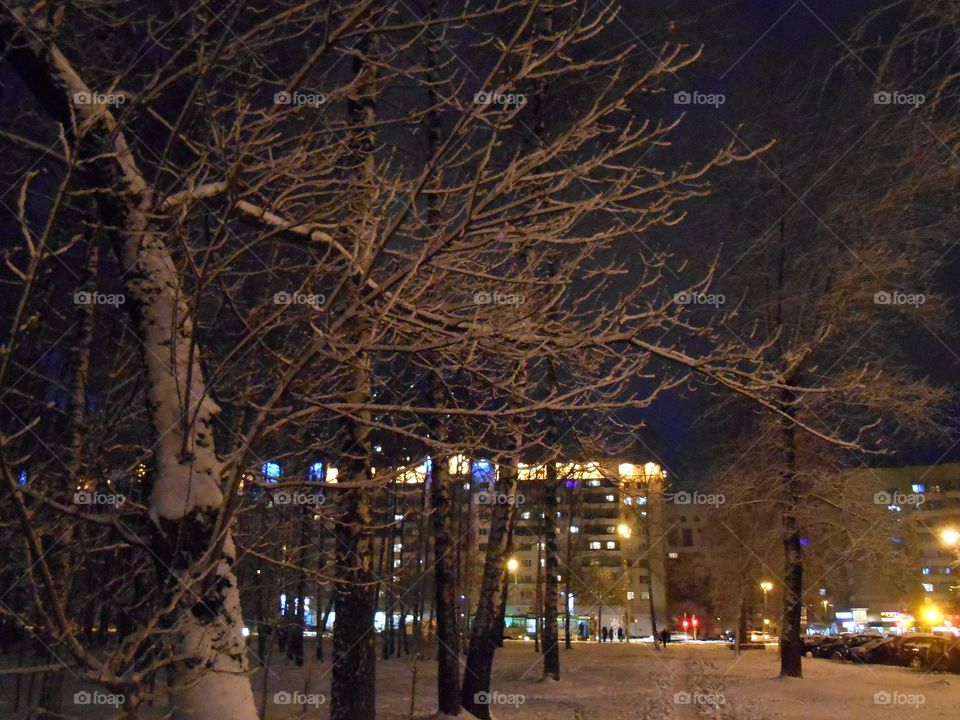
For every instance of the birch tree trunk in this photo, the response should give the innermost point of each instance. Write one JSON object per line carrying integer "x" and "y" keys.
{"x": 476, "y": 679}
{"x": 185, "y": 500}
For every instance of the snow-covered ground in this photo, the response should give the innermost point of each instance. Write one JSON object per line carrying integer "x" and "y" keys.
{"x": 613, "y": 681}
{"x": 617, "y": 681}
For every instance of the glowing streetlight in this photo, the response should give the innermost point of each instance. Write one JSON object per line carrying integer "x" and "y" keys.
{"x": 950, "y": 536}
{"x": 623, "y": 530}
{"x": 766, "y": 586}
{"x": 513, "y": 565}
{"x": 932, "y": 615}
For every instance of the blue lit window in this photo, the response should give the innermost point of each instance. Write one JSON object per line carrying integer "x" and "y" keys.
{"x": 919, "y": 487}
{"x": 481, "y": 471}
{"x": 428, "y": 464}
{"x": 926, "y": 571}
{"x": 804, "y": 541}
{"x": 22, "y": 478}
{"x": 316, "y": 471}
{"x": 948, "y": 571}
{"x": 271, "y": 471}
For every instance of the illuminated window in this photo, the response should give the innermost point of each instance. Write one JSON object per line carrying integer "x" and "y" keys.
{"x": 481, "y": 471}
{"x": 316, "y": 471}
{"x": 610, "y": 498}
{"x": 574, "y": 529}
{"x": 271, "y": 471}
{"x": 595, "y": 545}
{"x": 926, "y": 571}
{"x": 928, "y": 587}
{"x": 594, "y": 483}
{"x": 673, "y": 555}
{"x": 611, "y": 545}
{"x": 919, "y": 487}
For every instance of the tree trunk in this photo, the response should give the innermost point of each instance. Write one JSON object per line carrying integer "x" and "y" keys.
{"x": 186, "y": 499}
{"x": 448, "y": 633}
{"x": 353, "y": 678}
{"x": 791, "y": 646}
{"x": 551, "y": 595}
{"x": 476, "y": 679}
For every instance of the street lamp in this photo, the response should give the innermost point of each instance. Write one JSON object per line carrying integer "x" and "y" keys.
{"x": 950, "y": 536}
{"x": 623, "y": 530}
{"x": 766, "y": 586}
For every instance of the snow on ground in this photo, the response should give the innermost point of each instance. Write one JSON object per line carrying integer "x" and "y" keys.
{"x": 630, "y": 680}
{"x": 616, "y": 681}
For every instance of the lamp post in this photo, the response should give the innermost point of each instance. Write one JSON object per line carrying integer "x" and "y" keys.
{"x": 766, "y": 586}
{"x": 624, "y": 531}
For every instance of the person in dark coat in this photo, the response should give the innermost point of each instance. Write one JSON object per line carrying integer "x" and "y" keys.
{"x": 621, "y": 635}
{"x": 603, "y": 634}
{"x": 664, "y": 637}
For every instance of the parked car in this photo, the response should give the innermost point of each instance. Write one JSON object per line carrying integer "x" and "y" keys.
{"x": 812, "y": 642}
{"x": 942, "y": 655}
{"x": 890, "y": 650}
{"x": 839, "y": 648}
{"x": 922, "y": 650}
{"x": 880, "y": 650}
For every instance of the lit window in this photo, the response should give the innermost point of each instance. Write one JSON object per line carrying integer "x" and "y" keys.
{"x": 919, "y": 487}
{"x": 926, "y": 571}
{"x": 611, "y": 545}
{"x": 610, "y": 498}
{"x": 316, "y": 471}
{"x": 526, "y": 515}
{"x": 574, "y": 529}
{"x": 595, "y": 545}
{"x": 593, "y": 483}
{"x": 673, "y": 555}
{"x": 928, "y": 587}
{"x": 271, "y": 471}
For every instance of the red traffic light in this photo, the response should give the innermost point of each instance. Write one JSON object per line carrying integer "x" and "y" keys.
{"x": 695, "y": 621}
{"x": 685, "y": 624}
